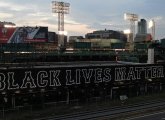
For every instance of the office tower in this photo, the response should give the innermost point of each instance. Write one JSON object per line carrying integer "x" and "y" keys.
{"x": 142, "y": 26}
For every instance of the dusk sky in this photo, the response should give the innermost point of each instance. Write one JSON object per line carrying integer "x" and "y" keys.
{"x": 85, "y": 15}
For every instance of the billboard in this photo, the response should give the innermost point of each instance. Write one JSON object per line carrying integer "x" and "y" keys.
{"x": 6, "y": 33}
{"x": 23, "y": 34}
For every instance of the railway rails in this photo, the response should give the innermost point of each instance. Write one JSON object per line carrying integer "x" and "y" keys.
{"x": 112, "y": 113}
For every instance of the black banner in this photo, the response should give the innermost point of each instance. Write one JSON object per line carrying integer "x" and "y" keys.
{"x": 53, "y": 77}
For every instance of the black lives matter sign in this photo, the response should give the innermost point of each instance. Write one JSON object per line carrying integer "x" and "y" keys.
{"x": 18, "y": 79}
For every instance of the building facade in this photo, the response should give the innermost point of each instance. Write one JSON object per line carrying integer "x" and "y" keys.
{"x": 107, "y": 34}
{"x": 142, "y": 26}
{"x": 142, "y": 35}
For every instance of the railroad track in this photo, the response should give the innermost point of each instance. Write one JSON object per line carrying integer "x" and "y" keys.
{"x": 109, "y": 113}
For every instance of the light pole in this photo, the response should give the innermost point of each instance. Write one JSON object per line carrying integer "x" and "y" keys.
{"x": 61, "y": 8}
{"x": 127, "y": 32}
{"x": 132, "y": 18}
{"x": 152, "y": 27}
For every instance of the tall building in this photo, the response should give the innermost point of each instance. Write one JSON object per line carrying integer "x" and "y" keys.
{"x": 142, "y": 35}
{"x": 142, "y": 26}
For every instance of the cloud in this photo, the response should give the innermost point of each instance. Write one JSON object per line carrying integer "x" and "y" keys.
{"x": 11, "y": 6}
{"x": 84, "y": 16}
{"x": 70, "y": 21}
{"x": 6, "y": 15}
{"x": 78, "y": 29}
{"x": 158, "y": 18}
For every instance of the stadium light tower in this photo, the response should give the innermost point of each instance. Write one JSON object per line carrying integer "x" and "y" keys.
{"x": 127, "y": 32}
{"x": 61, "y": 8}
{"x": 132, "y": 18}
{"x": 152, "y": 27}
